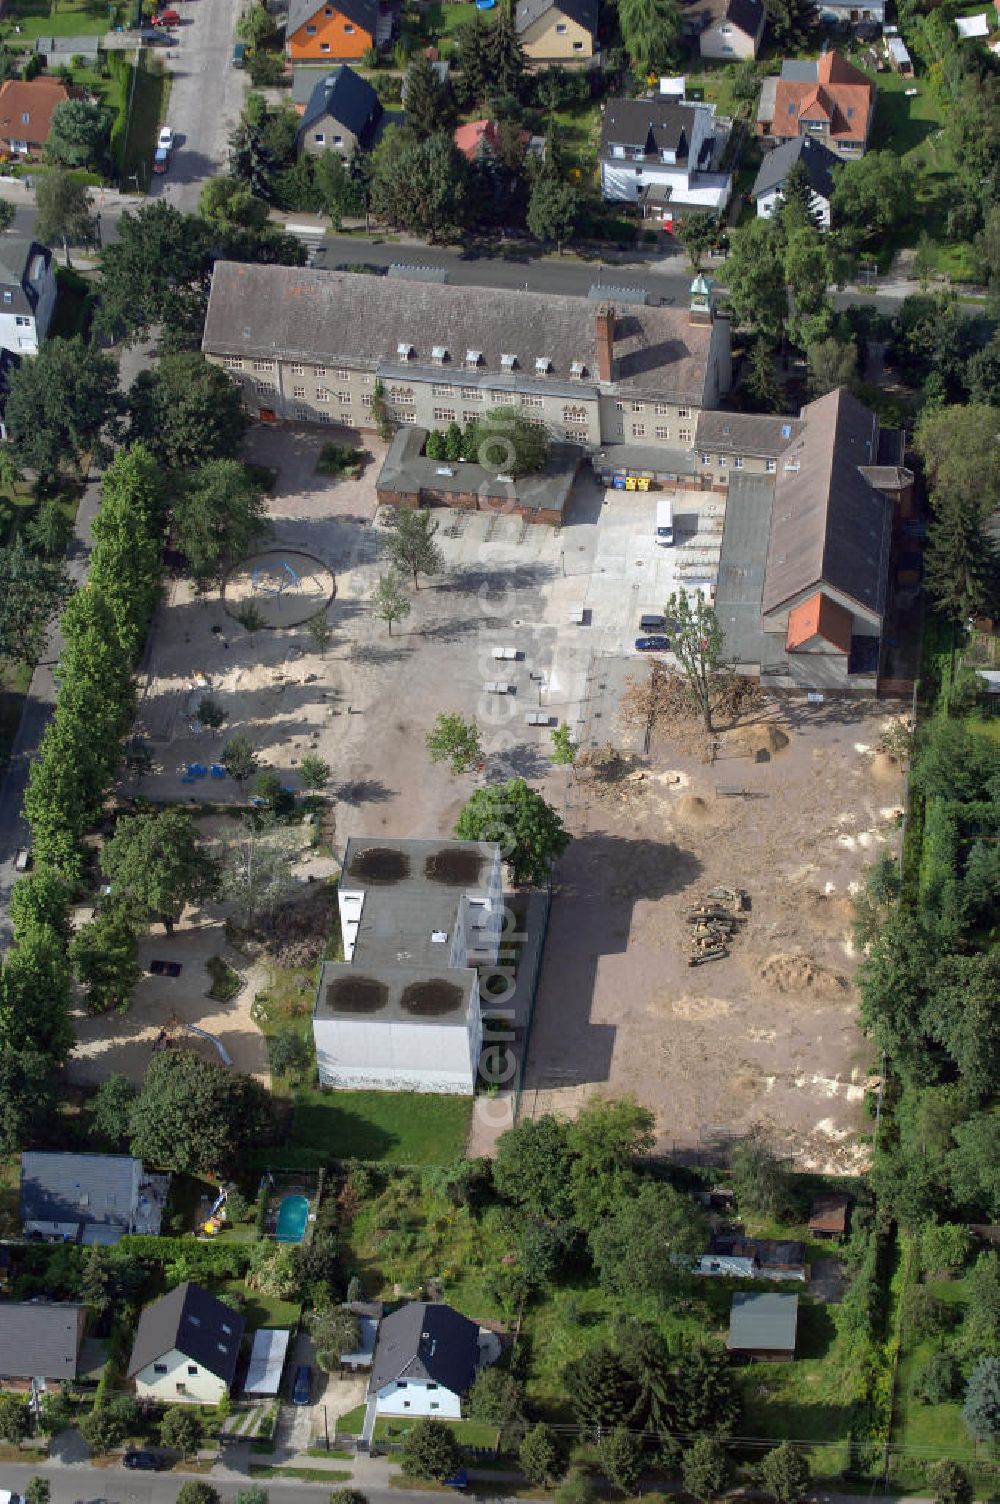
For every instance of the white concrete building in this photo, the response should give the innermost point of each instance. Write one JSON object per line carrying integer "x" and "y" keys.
{"x": 666, "y": 152}
{"x": 186, "y": 1347}
{"x": 401, "y": 1012}
{"x": 27, "y": 294}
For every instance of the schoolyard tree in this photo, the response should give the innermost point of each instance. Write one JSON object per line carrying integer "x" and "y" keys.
{"x": 193, "y": 1116}
{"x": 320, "y": 630}
{"x": 410, "y": 545}
{"x": 564, "y": 748}
{"x": 219, "y": 515}
{"x": 541, "y": 1457}
{"x": 104, "y": 956}
{"x": 126, "y": 565}
{"x": 530, "y": 833}
{"x": 832, "y": 363}
{"x": 60, "y": 406}
{"x": 388, "y": 602}
{"x": 35, "y": 996}
{"x": 156, "y": 865}
{"x": 455, "y": 740}
{"x": 239, "y": 758}
{"x": 187, "y": 412}
{"x": 314, "y": 772}
{"x": 41, "y": 897}
{"x": 698, "y": 647}
{"x": 254, "y": 873}
{"x": 64, "y": 211}
{"x": 705, "y": 1469}
{"x": 431, "y": 1450}
{"x": 784, "y": 1474}
{"x": 33, "y": 591}
{"x": 28, "y": 1097}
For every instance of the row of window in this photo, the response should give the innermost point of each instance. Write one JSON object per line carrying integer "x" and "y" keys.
{"x": 237, "y": 363}
{"x": 661, "y": 409}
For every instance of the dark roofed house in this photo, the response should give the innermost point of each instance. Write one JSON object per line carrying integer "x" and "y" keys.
{"x": 186, "y": 1347}
{"x": 828, "y": 1216}
{"x": 87, "y": 1198}
{"x": 726, "y": 29}
{"x": 27, "y": 293}
{"x": 762, "y": 1327}
{"x": 40, "y": 1340}
{"x": 664, "y": 143}
{"x": 755, "y": 1258}
{"x": 557, "y": 31}
{"x": 818, "y": 161}
{"x": 343, "y": 115}
{"x": 426, "y": 1357}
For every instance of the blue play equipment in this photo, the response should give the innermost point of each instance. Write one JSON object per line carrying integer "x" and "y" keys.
{"x": 289, "y": 577}
{"x": 217, "y": 771}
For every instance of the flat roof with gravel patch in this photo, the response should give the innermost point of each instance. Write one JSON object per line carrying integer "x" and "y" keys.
{"x": 394, "y": 994}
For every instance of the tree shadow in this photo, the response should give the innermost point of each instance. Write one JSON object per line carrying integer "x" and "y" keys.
{"x": 365, "y": 791}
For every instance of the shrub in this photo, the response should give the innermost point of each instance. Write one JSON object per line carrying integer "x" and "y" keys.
{"x": 939, "y": 1380}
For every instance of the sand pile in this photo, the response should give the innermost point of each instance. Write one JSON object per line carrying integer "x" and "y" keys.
{"x": 695, "y": 809}
{"x": 761, "y": 742}
{"x": 798, "y": 973}
{"x": 885, "y": 767}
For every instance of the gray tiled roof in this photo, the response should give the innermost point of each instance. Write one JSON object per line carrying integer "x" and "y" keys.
{"x": 741, "y": 567}
{"x": 818, "y": 160}
{"x": 193, "y": 1322}
{"x": 39, "y": 1340}
{"x": 745, "y": 433}
{"x": 346, "y": 98}
{"x": 86, "y": 1189}
{"x": 829, "y": 525}
{"x": 765, "y": 1322}
{"x": 17, "y": 257}
{"x": 426, "y": 1341}
{"x": 330, "y": 317}
{"x": 745, "y": 15}
{"x": 583, "y": 12}
{"x": 363, "y": 13}
{"x": 631, "y": 122}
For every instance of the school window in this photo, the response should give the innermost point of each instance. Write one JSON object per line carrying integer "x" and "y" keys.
{"x": 738, "y": 462}
{"x": 444, "y": 415}
{"x": 297, "y": 370}
{"x": 706, "y": 459}
{"x": 638, "y": 430}
{"x": 469, "y": 416}
{"x": 319, "y": 370}
{"x": 263, "y": 365}
{"x": 638, "y": 407}
{"x": 662, "y": 433}
{"x": 264, "y": 388}
{"x": 234, "y": 364}
{"x": 439, "y": 390}
{"x": 342, "y": 375}
{"x": 619, "y": 407}
{"x": 723, "y": 462}
{"x": 574, "y": 415}
{"x": 684, "y": 435}
{"x": 772, "y": 465}
{"x": 662, "y": 409}
{"x": 343, "y": 398}
{"x": 298, "y": 391}
{"x": 301, "y": 414}
{"x": 471, "y": 394}
{"x": 322, "y": 395}
{"x": 497, "y": 397}
{"x": 323, "y": 418}
{"x": 532, "y": 402}
{"x": 400, "y": 394}
{"x": 405, "y": 417}
{"x": 683, "y": 412}
{"x": 366, "y": 400}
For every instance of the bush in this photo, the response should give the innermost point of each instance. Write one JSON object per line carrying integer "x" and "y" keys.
{"x": 339, "y": 459}
{"x": 939, "y": 1380}
{"x": 431, "y": 1450}
{"x": 205, "y": 1260}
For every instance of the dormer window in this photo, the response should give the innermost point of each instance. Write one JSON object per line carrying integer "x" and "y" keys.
{"x": 403, "y": 350}
{"x": 577, "y": 370}
{"x": 439, "y": 355}
{"x": 543, "y": 365}
{"x": 508, "y": 362}
{"x": 473, "y": 357}
{"x": 25, "y": 118}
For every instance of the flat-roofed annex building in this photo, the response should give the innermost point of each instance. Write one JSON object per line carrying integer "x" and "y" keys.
{"x": 401, "y": 1012}
{"x": 307, "y": 346}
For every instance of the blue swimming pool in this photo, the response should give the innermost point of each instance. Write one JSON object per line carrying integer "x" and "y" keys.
{"x": 293, "y": 1213}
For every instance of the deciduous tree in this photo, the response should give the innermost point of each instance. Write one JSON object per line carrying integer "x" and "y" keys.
{"x": 155, "y": 273}
{"x": 104, "y": 955}
{"x": 388, "y": 602}
{"x": 192, "y": 1116}
{"x": 622, "y": 1459}
{"x": 455, "y": 740}
{"x": 60, "y": 406}
{"x": 219, "y": 514}
{"x": 187, "y": 412}
{"x": 698, "y": 647}
{"x": 111, "y": 1109}
{"x": 705, "y": 1469}
{"x": 648, "y": 1239}
{"x": 541, "y": 1457}
{"x": 64, "y": 210}
{"x": 28, "y": 1098}
{"x": 650, "y": 31}
{"x": 78, "y": 133}
{"x": 35, "y": 996}
{"x": 530, "y": 833}
{"x": 553, "y": 209}
{"x": 431, "y": 1450}
{"x": 784, "y": 1475}
{"x": 410, "y": 544}
{"x": 157, "y": 866}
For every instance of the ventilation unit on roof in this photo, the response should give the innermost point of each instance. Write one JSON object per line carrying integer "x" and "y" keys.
{"x": 473, "y": 357}
{"x": 439, "y": 355}
{"x": 543, "y": 365}
{"x": 403, "y": 350}
{"x": 508, "y": 362}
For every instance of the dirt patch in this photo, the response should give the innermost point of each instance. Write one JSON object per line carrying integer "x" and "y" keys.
{"x": 885, "y": 767}
{"x": 695, "y": 810}
{"x": 799, "y": 974}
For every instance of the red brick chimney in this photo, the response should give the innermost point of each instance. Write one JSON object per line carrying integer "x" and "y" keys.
{"x": 606, "y": 344}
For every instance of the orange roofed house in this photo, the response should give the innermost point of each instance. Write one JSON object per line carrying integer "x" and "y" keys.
{"x": 828, "y": 99}
{"x": 339, "y": 31}
{"x": 26, "y": 114}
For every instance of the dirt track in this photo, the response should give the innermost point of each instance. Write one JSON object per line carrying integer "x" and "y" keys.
{"x": 769, "y": 1034}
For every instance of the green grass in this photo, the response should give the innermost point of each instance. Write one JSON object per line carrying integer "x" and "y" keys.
{"x": 307, "y": 1474}
{"x": 932, "y": 1430}
{"x": 259, "y": 1309}
{"x": 149, "y": 108}
{"x": 226, "y": 982}
{"x": 444, "y": 19}
{"x": 471, "y": 1433}
{"x": 351, "y": 1422}
{"x": 406, "y": 1128}
{"x": 59, "y": 18}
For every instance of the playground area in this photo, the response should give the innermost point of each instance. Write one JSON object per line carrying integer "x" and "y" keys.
{"x": 282, "y": 586}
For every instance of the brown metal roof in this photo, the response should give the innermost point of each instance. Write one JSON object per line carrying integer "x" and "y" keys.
{"x": 829, "y": 526}
{"x": 268, "y": 311}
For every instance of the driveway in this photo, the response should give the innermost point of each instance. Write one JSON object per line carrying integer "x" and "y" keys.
{"x": 206, "y": 97}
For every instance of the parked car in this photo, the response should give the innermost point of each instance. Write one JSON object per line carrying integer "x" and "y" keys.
{"x": 651, "y": 621}
{"x": 166, "y": 138}
{"x": 652, "y": 644}
{"x": 146, "y": 1462}
{"x": 167, "y": 18}
{"x": 302, "y": 1387}
{"x": 161, "y": 159}
{"x": 239, "y": 55}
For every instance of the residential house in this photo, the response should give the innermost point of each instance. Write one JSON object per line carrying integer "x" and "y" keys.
{"x": 829, "y": 1215}
{"x": 89, "y": 1198}
{"x": 664, "y": 153}
{"x": 763, "y": 1327}
{"x": 27, "y": 294}
{"x": 819, "y": 162}
{"x": 557, "y": 31}
{"x": 827, "y": 98}
{"x": 803, "y": 573}
{"x": 753, "y": 1258}
{"x": 340, "y": 32}
{"x": 401, "y": 1012}
{"x": 726, "y": 29}
{"x": 426, "y": 1357}
{"x": 186, "y": 1347}
{"x": 845, "y": 13}
{"x": 26, "y": 114}
{"x": 308, "y": 345}
{"x": 40, "y": 1339}
{"x": 343, "y": 114}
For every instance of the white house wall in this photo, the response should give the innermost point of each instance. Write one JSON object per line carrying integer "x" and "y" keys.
{"x": 392, "y": 1055}
{"x": 769, "y": 203}
{"x": 418, "y": 1397}
{"x": 178, "y": 1384}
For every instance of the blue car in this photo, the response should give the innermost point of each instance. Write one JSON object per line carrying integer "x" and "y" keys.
{"x": 652, "y": 644}
{"x": 302, "y": 1387}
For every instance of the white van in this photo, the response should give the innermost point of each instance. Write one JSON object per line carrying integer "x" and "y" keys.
{"x": 665, "y": 522}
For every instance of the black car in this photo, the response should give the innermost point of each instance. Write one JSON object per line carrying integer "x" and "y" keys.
{"x": 147, "y": 1462}
{"x": 652, "y": 644}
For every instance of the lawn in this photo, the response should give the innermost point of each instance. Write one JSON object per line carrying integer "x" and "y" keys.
{"x": 149, "y": 108}
{"x": 444, "y": 17}
{"x": 258, "y": 1309}
{"x": 59, "y": 18}
{"x": 471, "y": 1433}
{"x": 934, "y": 1430}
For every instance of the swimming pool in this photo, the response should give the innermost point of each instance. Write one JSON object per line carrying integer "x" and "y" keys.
{"x": 293, "y": 1213}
